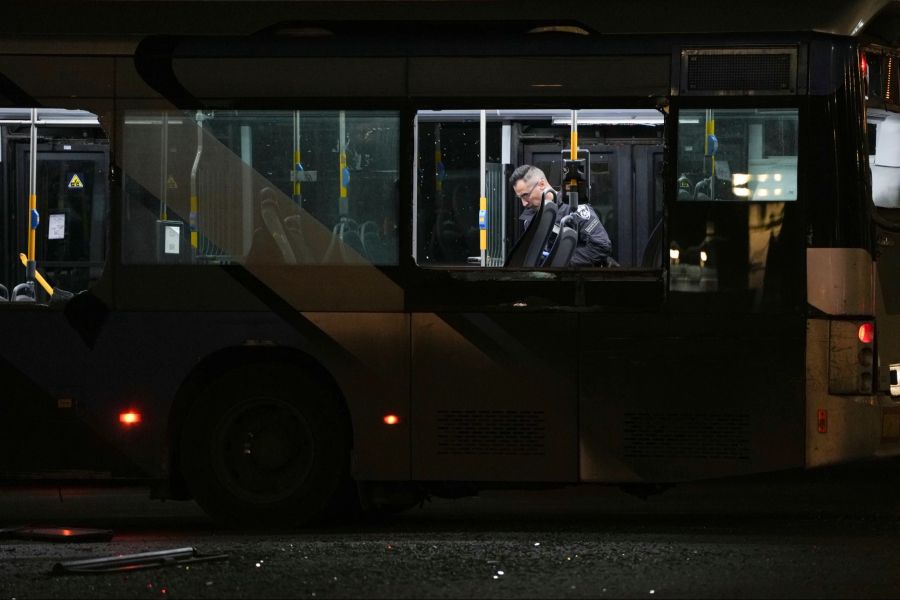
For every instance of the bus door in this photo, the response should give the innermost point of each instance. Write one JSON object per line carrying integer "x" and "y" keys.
{"x": 72, "y": 194}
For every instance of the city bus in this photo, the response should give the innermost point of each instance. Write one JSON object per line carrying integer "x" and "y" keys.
{"x": 268, "y": 255}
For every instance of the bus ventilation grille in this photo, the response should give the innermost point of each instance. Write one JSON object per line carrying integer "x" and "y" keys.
{"x": 495, "y": 432}
{"x": 683, "y": 435}
{"x": 739, "y": 71}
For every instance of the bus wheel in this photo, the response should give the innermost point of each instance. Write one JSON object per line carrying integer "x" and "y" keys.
{"x": 265, "y": 447}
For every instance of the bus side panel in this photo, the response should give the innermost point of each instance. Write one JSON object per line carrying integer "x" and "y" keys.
{"x": 48, "y": 427}
{"x": 494, "y": 397}
{"x": 375, "y": 384}
{"x": 366, "y": 354}
{"x": 680, "y": 397}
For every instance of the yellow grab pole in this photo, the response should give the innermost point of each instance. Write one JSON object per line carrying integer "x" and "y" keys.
{"x": 32, "y": 226}
{"x": 37, "y": 276}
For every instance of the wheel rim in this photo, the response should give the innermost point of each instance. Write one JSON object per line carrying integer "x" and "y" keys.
{"x": 262, "y": 450}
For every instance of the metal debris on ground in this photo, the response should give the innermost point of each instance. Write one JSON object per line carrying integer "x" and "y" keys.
{"x": 133, "y": 562}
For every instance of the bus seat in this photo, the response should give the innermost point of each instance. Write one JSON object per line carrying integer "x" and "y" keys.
{"x": 263, "y": 250}
{"x": 4, "y": 293}
{"x": 371, "y": 241}
{"x": 344, "y": 236}
{"x": 563, "y": 249}
{"x": 269, "y": 209}
{"x": 24, "y": 292}
{"x": 544, "y": 228}
{"x": 293, "y": 229}
{"x": 652, "y": 257}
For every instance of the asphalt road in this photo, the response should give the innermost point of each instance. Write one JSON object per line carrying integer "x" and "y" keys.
{"x": 827, "y": 533}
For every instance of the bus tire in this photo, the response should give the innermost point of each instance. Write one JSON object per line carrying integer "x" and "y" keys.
{"x": 265, "y": 447}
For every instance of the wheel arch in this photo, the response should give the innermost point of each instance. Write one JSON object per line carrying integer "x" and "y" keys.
{"x": 214, "y": 366}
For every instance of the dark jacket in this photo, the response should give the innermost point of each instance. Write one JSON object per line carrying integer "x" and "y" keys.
{"x": 594, "y": 247}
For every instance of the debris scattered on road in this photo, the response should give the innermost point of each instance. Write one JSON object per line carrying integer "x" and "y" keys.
{"x": 133, "y": 562}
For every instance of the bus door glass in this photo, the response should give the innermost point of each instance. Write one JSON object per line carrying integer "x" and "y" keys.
{"x": 735, "y": 236}
{"x": 71, "y": 196}
{"x": 72, "y": 204}
{"x": 884, "y": 164}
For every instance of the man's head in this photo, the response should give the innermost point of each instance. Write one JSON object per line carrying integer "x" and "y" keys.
{"x": 529, "y": 184}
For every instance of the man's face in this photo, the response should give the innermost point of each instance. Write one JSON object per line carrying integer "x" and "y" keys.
{"x": 530, "y": 193}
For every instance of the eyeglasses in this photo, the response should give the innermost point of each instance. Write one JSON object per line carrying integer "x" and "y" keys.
{"x": 528, "y": 193}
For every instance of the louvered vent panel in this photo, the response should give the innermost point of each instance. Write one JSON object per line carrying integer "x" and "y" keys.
{"x": 494, "y": 432}
{"x": 693, "y": 436}
{"x": 739, "y": 71}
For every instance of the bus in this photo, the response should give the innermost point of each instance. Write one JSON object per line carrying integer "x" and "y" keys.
{"x": 268, "y": 256}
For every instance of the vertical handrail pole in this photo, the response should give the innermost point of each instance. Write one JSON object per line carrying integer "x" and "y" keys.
{"x": 33, "y": 217}
{"x": 482, "y": 204}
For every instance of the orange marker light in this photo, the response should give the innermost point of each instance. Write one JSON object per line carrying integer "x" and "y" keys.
{"x": 822, "y": 420}
{"x": 391, "y": 419}
{"x": 866, "y": 333}
{"x": 131, "y": 417}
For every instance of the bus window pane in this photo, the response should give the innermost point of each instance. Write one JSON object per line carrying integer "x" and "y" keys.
{"x": 885, "y": 161}
{"x": 737, "y": 154}
{"x": 264, "y": 187}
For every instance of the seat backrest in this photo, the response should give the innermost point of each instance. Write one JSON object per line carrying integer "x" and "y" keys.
{"x": 269, "y": 209}
{"x": 528, "y": 251}
{"x": 653, "y": 250}
{"x": 563, "y": 248}
{"x": 293, "y": 229}
{"x": 371, "y": 242}
{"x": 24, "y": 292}
{"x": 344, "y": 240}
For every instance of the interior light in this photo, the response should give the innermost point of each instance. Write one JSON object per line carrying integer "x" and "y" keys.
{"x": 674, "y": 253}
{"x": 703, "y": 256}
{"x": 741, "y": 192}
{"x": 131, "y": 417}
{"x": 738, "y": 179}
{"x": 777, "y": 191}
{"x": 391, "y": 419}
{"x": 866, "y": 333}
{"x": 612, "y": 121}
{"x": 763, "y": 193}
{"x": 763, "y": 176}
{"x": 777, "y": 176}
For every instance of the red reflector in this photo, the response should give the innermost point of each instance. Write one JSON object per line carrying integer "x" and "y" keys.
{"x": 391, "y": 419}
{"x": 132, "y": 417}
{"x": 863, "y": 66}
{"x": 866, "y": 333}
{"x": 822, "y": 419}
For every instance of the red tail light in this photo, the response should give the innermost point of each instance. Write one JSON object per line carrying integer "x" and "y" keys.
{"x": 391, "y": 419}
{"x": 131, "y": 417}
{"x": 866, "y": 333}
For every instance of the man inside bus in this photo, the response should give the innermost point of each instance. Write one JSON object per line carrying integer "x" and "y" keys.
{"x": 593, "y": 248}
